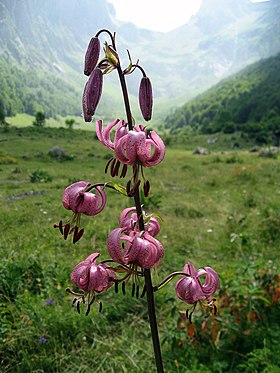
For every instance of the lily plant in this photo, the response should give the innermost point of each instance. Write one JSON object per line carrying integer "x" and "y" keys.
{"x": 132, "y": 247}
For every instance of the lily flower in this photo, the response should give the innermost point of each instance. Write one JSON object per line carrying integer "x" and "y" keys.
{"x": 89, "y": 276}
{"x": 138, "y": 248}
{"x": 78, "y": 198}
{"x": 191, "y": 289}
{"x": 129, "y": 221}
{"x": 132, "y": 147}
{"x": 140, "y": 147}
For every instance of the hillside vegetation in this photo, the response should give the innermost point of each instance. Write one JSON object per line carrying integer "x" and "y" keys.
{"x": 248, "y": 102}
{"x": 220, "y": 210}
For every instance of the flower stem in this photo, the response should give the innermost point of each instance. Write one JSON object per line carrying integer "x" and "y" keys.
{"x": 147, "y": 272}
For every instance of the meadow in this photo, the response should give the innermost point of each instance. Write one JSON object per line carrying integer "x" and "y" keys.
{"x": 220, "y": 210}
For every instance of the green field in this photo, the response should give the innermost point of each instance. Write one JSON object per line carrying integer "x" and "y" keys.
{"x": 220, "y": 210}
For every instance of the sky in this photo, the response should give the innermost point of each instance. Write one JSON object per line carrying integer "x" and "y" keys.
{"x": 157, "y": 15}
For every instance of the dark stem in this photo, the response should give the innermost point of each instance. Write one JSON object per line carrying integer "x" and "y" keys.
{"x": 147, "y": 272}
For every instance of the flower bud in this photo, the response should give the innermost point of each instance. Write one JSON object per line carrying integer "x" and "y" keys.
{"x": 111, "y": 55}
{"x": 92, "y": 55}
{"x": 146, "y": 98}
{"x": 93, "y": 91}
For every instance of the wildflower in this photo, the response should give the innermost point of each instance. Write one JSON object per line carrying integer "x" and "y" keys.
{"x": 92, "y": 55}
{"x": 138, "y": 248}
{"x": 49, "y": 302}
{"x": 146, "y": 98}
{"x": 129, "y": 221}
{"x": 191, "y": 290}
{"x": 78, "y": 198}
{"x": 43, "y": 340}
{"x": 89, "y": 276}
{"x": 139, "y": 146}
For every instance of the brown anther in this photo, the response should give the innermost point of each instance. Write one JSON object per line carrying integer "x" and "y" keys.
{"x": 143, "y": 291}
{"x": 100, "y": 307}
{"x": 133, "y": 290}
{"x": 124, "y": 170}
{"x": 117, "y": 167}
{"x": 66, "y": 230}
{"x": 78, "y": 235}
{"x": 128, "y": 187}
{"x": 78, "y": 307}
{"x": 107, "y": 165}
{"x": 123, "y": 288}
{"x": 116, "y": 287}
{"x": 113, "y": 167}
{"x": 146, "y": 188}
{"x": 137, "y": 291}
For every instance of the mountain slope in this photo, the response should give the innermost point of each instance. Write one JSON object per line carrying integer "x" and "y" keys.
{"x": 248, "y": 101}
{"x": 39, "y": 36}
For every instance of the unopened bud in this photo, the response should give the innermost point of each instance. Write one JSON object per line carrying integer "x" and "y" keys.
{"x": 92, "y": 55}
{"x": 93, "y": 91}
{"x": 146, "y": 98}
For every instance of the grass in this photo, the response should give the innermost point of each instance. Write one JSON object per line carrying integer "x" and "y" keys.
{"x": 220, "y": 210}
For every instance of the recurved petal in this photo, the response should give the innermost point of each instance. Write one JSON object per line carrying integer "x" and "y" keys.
{"x": 189, "y": 269}
{"x": 159, "y": 150}
{"x": 70, "y": 194}
{"x": 107, "y": 133}
{"x": 211, "y": 282}
{"x": 114, "y": 246}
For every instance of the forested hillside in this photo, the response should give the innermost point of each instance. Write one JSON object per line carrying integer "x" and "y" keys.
{"x": 248, "y": 102}
{"x": 29, "y": 90}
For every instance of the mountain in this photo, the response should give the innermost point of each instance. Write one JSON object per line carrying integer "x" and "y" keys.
{"x": 248, "y": 102}
{"x": 43, "y": 43}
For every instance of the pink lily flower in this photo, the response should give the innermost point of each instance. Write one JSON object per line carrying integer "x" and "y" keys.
{"x": 129, "y": 221}
{"x": 132, "y": 146}
{"x": 139, "y": 248}
{"x": 190, "y": 289}
{"x": 89, "y": 276}
{"x": 77, "y": 199}
{"x": 138, "y": 146}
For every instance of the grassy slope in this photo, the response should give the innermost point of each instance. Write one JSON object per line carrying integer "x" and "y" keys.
{"x": 203, "y": 201}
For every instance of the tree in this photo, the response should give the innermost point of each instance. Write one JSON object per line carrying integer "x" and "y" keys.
{"x": 40, "y": 119}
{"x": 69, "y": 123}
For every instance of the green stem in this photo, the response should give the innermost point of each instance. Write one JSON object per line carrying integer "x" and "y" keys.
{"x": 147, "y": 272}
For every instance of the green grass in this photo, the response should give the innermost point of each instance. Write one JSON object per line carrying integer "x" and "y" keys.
{"x": 220, "y": 210}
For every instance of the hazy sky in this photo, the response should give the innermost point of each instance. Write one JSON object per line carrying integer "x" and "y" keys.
{"x": 159, "y": 15}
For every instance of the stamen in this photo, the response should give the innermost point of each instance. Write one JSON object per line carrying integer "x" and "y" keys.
{"x": 137, "y": 291}
{"x": 146, "y": 188}
{"x": 143, "y": 291}
{"x": 78, "y": 235}
{"x": 66, "y": 230}
{"x": 133, "y": 290}
{"x": 107, "y": 165}
{"x": 123, "y": 287}
{"x": 78, "y": 307}
{"x": 100, "y": 306}
{"x": 124, "y": 170}
{"x": 117, "y": 167}
{"x": 116, "y": 287}
{"x": 112, "y": 167}
{"x": 128, "y": 187}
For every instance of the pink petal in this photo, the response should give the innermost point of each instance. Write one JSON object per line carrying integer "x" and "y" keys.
{"x": 159, "y": 150}
{"x": 114, "y": 246}
{"x": 70, "y": 194}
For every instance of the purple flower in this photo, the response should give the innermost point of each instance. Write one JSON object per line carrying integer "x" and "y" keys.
{"x": 129, "y": 221}
{"x": 89, "y": 276}
{"x": 190, "y": 289}
{"x": 136, "y": 248}
{"x": 76, "y": 198}
{"x": 49, "y": 302}
{"x": 43, "y": 340}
